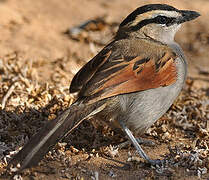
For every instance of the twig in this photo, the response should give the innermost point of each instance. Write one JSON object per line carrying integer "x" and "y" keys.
{"x": 9, "y": 92}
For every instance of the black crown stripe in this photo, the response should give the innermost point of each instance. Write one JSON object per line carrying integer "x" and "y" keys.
{"x": 144, "y": 9}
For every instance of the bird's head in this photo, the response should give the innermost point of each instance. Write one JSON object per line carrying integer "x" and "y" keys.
{"x": 157, "y": 21}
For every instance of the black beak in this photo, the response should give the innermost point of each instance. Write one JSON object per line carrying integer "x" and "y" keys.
{"x": 187, "y": 16}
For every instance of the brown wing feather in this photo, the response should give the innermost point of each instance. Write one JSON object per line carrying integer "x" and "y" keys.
{"x": 147, "y": 78}
{"x": 110, "y": 74}
{"x": 88, "y": 70}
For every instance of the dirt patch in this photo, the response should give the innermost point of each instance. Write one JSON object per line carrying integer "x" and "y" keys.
{"x": 38, "y": 59}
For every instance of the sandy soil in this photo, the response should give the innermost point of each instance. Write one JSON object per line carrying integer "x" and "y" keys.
{"x": 33, "y": 33}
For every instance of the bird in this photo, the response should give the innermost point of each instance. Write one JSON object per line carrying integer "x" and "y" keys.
{"x": 130, "y": 83}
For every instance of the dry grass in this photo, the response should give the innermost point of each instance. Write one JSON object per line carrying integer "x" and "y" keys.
{"x": 27, "y": 103}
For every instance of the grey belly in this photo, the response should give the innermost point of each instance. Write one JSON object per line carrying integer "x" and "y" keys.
{"x": 142, "y": 109}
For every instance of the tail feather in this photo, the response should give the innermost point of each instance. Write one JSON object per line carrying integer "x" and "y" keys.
{"x": 53, "y": 131}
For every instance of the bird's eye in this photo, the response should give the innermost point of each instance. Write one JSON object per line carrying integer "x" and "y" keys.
{"x": 162, "y": 19}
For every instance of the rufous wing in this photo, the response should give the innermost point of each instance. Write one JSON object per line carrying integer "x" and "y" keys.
{"x": 115, "y": 74}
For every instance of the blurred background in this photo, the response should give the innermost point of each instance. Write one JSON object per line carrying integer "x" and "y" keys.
{"x": 36, "y": 30}
{"x": 44, "y": 43}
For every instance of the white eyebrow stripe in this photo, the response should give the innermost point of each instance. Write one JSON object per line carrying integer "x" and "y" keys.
{"x": 153, "y": 14}
{"x": 167, "y": 13}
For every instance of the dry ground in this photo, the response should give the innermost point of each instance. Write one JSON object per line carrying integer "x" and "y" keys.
{"x": 37, "y": 62}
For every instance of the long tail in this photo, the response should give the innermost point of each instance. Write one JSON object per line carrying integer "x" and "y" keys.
{"x": 52, "y": 132}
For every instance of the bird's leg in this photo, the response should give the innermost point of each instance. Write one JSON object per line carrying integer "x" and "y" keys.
{"x": 138, "y": 147}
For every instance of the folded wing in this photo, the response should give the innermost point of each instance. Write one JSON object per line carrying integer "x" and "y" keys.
{"x": 112, "y": 74}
